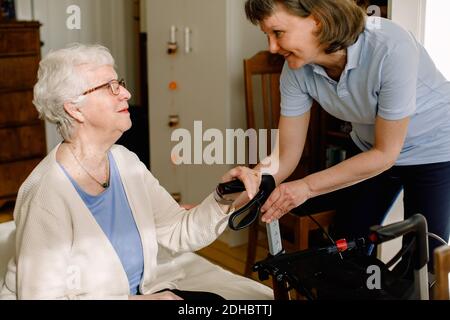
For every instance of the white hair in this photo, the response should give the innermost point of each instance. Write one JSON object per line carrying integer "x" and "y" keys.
{"x": 61, "y": 79}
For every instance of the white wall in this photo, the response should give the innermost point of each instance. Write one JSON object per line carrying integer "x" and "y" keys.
{"x": 24, "y": 10}
{"x": 428, "y": 21}
{"x": 437, "y": 34}
{"x": 411, "y": 15}
{"x": 107, "y": 22}
{"x": 244, "y": 41}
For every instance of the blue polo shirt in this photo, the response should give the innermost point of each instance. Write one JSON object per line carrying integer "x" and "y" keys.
{"x": 388, "y": 74}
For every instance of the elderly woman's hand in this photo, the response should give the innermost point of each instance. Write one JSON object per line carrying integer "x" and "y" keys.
{"x": 251, "y": 179}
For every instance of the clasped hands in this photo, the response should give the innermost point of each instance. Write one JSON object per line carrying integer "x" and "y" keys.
{"x": 284, "y": 198}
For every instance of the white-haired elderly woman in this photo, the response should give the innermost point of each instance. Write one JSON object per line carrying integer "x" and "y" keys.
{"x": 91, "y": 211}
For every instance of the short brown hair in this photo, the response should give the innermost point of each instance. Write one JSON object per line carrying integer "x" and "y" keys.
{"x": 341, "y": 21}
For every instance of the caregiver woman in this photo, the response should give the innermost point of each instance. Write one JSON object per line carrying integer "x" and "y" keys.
{"x": 379, "y": 78}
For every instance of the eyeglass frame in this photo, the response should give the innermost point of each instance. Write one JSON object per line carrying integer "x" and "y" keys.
{"x": 121, "y": 83}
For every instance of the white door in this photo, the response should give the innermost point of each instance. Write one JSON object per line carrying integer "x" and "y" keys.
{"x": 201, "y": 94}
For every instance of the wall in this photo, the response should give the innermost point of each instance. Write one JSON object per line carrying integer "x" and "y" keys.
{"x": 210, "y": 79}
{"x": 244, "y": 41}
{"x": 411, "y": 15}
{"x": 107, "y": 22}
{"x": 437, "y": 25}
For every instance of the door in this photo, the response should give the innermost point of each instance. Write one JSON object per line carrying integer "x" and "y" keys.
{"x": 200, "y": 77}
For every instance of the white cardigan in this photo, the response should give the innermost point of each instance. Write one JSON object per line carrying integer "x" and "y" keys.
{"x": 61, "y": 251}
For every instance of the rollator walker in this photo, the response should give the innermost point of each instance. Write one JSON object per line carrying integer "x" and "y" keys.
{"x": 342, "y": 270}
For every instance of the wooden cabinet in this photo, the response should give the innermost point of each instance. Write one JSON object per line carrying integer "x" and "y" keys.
{"x": 22, "y": 134}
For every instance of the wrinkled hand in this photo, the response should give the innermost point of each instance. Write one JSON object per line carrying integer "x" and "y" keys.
{"x": 165, "y": 295}
{"x": 284, "y": 198}
{"x": 251, "y": 179}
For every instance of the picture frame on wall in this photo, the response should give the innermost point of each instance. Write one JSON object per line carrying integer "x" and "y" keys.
{"x": 7, "y": 10}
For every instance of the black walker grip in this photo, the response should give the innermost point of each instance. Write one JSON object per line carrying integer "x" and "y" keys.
{"x": 230, "y": 187}
{"x": 249, "y": 213}
{"x": 416, "y": 224}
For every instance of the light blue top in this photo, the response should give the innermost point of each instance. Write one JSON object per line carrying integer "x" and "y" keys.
{"x": 113, "y": 213}
{"x": 388, "y": 74}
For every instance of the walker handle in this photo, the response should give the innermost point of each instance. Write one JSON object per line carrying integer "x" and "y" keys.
{"x": 249, "y": 213}
{"x": 416, "y": 224}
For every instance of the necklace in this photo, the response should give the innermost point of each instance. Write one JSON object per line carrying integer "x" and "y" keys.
{"x": 105, "y": 184}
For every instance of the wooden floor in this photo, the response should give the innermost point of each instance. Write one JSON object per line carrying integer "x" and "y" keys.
{"x": 233, "y": 258}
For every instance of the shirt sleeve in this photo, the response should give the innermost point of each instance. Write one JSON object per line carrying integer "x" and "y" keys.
{"x": 397, "y": 97}
{"x": 294, "y": 100}
{"x": 181, "y": 230}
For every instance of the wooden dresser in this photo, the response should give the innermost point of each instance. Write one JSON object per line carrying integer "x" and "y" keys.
{"x": 22, "y": 134}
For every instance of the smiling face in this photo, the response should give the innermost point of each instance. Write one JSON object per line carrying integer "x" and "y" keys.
{"x": 292, "y": 37}
{"x": 103, "y": 110}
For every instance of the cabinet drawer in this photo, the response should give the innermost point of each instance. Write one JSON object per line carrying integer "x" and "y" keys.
{"x": 16, "y": 107}
{"x": 12, "y": 175}
{"x": 18, "y": 72}
{"x": 24, "y": 40}
{"x": 22, "y": 142}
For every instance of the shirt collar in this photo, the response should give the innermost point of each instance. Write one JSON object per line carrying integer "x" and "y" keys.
{"x": 353, "y": 57}
{"x": 354, "y": 53}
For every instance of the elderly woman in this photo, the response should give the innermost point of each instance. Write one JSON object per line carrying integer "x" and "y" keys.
{"x": 379, "y": 78}
{"x": 90, "y": 216}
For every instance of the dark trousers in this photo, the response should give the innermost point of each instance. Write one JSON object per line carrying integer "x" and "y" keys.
{"x": 426, "y": 191}
{"x": 195, "y": 295}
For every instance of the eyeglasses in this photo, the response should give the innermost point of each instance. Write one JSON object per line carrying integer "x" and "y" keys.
{"x": 114, "y": 87}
